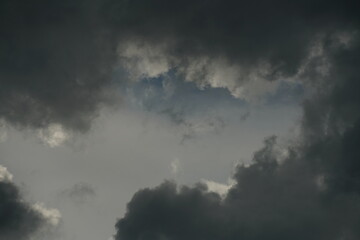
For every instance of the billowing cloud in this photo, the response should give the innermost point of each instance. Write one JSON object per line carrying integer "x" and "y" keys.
{"x": 59, "y": 57}
{"x": 58, "y": 60}
{"x": 242, "y": 46}
{"x": 269, "y": 201}
{"x": 20, "y": 220}
{"x": 311, "y": 188}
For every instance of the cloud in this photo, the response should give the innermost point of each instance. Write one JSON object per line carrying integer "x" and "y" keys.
{"x": 219, "y": 188}
{"x": 149, "y": 61}
{"x": 60, "y": 59}
{"x": 5, "y": 175}
{"x": 3, "y": 132}
{"x": 268, "y": 201}
{"x": 55, "y": 65}
{"x": 53, "y": 216}
{"x": 311, "y": 188}
{"x": 194, "y": 126}
{"x": 20, "y": 220}
{"x": 241, "y": 46}
{"x": 79, "y": 193}
{"x": 175, "y": 166}
{"x": 54, "y": 135}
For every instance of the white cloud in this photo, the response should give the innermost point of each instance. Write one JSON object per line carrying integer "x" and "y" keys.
{"x": 52, "y": 215}
{"x": 175, "y": 166}
{"x": 219, "y": 188}
{"x": 5, "y": 175}
{"x": 54, "y": 135}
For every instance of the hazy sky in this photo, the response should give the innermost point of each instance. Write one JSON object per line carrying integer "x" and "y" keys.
{"x": 174, "y": 120}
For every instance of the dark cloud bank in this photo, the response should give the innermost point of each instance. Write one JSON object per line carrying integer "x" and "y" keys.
{"x": 55, "y": 62}
{"x": 55, "y": 67}
{"x": 58, "y": 57}
{"x": 18, "y": 219}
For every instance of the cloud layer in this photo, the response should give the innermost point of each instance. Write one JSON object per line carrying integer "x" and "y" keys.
{"x": 59, "y": 58}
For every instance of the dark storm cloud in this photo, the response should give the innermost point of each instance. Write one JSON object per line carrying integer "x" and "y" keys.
{"x": 245, "y": 32}
{"x": 18, "y": 220}
{"x": 57, "y": 57}
{"x": 55, "y": 62}
{"x": 331, "y": 120}
{"x": 311, "y": 192}
{"x": 269, "y": 201}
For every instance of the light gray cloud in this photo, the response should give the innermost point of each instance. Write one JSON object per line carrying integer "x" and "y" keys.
{"x": 79, "y": 193}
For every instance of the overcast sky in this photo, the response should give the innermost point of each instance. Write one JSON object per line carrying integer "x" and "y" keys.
{"x": 174, "y": 120}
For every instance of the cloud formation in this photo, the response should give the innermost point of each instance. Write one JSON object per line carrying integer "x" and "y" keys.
{"x": 55, "y": 63}
{"x": 58, "y": 60}
{"x": 310, "y": 189}
{"x": 59, "y": 57}
{"x": 269, "y": 201}
{"x": 242, "y": 46}
{"x": 20, "y": 220}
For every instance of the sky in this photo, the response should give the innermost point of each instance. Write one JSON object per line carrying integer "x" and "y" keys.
{"x": 173, "y": 120}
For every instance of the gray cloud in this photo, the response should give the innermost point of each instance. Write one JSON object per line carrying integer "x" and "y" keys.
{"x": 56, "y": 67}
{"x": 238, "y": 45}
{"x": 192, "y": 128}
{"x": 18, "y": 219}
{"x": 270, "y": 200}
{"x": 79, "y": 193}
{"x": 58, "y": 58}
{"x": 55, "y": 63}
{"x": 310, "y": 192}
